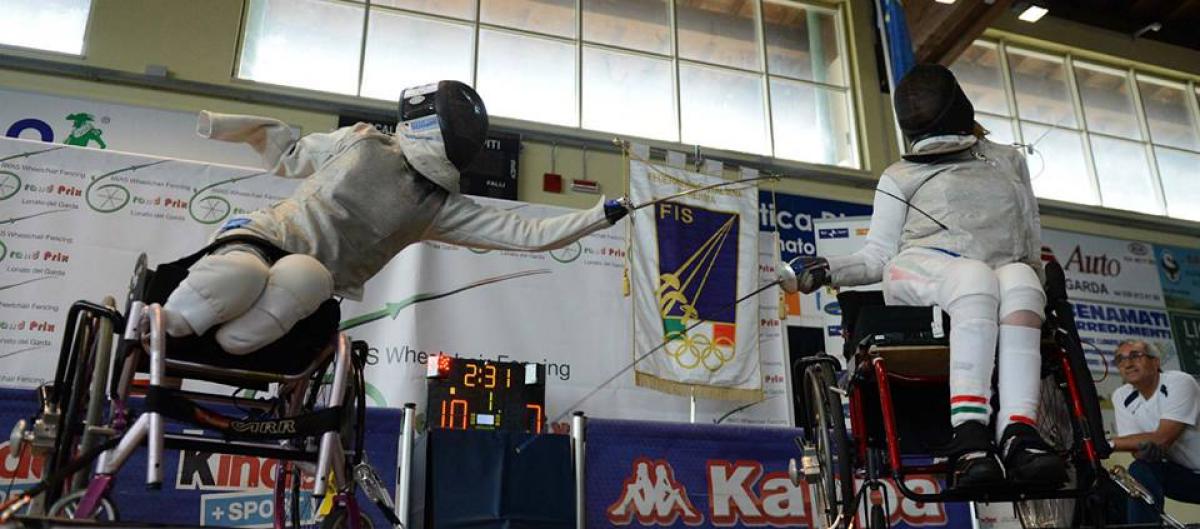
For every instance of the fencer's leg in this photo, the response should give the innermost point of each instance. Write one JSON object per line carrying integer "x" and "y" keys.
{"x": 298, "y": 284}
{"x": 1026, "y": 455}
{"x": 218, "y": 288}
{"x": 969, "y": 292}
{"x": 1022, "y": 303}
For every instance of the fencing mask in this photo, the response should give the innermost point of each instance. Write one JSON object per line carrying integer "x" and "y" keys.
{"x": 442, "y": 127}
{"x": 929, "y": 103}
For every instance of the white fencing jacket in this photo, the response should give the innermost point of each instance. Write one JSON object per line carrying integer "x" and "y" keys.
{"x": 983, "y": 195}
{"x": 361, "y": 202}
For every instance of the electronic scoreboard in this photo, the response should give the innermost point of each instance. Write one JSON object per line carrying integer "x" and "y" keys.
{"x": 465, "y": 394}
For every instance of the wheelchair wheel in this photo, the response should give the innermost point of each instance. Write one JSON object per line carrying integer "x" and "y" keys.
{"x": 1056, "y": 426}
{"x": 826, "y": 435}
{"x": 338, "y": 519}
{"x": 65, "y": 507}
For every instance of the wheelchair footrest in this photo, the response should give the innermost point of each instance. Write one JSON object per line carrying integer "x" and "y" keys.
{"x": 1004, "y": 492}
{"x": 222, "y": 446}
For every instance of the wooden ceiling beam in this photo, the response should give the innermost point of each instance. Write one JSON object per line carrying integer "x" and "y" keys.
{"x": 940, "y": 32}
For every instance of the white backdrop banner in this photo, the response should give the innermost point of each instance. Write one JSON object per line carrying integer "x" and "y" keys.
{"x": 691, "y": 259}
{"x": 75, "y": 220}
{"x": 1104, "y": 269}
{"x": 101, "y": 125}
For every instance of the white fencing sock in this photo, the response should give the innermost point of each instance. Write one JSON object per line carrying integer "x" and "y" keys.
{"x": 972, "y": 355}
{"x": 1020, "y": 375}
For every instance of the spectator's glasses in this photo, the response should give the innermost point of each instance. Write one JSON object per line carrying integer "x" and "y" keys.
{"x": 1133, "y": 355}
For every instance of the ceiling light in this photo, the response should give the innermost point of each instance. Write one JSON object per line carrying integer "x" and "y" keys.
{"x": 945, "y": 1}
{"x": 1033, "y": 13}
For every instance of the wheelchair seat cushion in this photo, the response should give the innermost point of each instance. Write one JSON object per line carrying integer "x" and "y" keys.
{"x": 901, "y": 325}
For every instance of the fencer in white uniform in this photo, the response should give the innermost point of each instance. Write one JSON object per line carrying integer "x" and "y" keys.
{"x": 366, "y": 196}
{"x": 955, "y": 224}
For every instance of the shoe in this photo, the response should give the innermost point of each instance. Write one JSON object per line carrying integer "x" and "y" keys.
{"x": 973, "y": 457}
{"x": 1029, "y": 460}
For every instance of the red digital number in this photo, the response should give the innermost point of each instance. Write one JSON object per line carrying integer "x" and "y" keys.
{"x": 537, "y": 416}
{"x": 454, "y": 405}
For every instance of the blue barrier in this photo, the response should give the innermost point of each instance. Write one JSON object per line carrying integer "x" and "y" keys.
{"x": 648, "y": 474}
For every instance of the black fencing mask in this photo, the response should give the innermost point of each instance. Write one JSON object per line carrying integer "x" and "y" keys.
{"x": 442, "y": 128}
{"x": 929, "y": 102}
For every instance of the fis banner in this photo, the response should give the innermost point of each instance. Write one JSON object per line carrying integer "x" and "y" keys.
{"x": 644, "y": 474}
{"x": 691, "y": 260}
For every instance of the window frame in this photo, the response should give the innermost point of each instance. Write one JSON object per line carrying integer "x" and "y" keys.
{"x": 83, "y": 48}
{"x": 1131, "y": 75}
{"x": 854, "y": 159}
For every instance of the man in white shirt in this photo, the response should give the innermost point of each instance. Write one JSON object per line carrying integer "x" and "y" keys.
{"x": 1158, "y": 419}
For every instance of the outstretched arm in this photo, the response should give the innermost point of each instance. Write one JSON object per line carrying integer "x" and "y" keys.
{"x": 281, "y": 151}
{"x": 464, "y": 222}
{"x": 883, "y": 241}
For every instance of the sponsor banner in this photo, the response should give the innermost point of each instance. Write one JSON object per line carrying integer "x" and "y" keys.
{"x": 839, "y": 237}
{"x": 117, "y": 127}
{"x": 794, "y": 219}
{"x": 1103, "y": 326}
{"x": 1104, "y": 269}
{"x": 691, "y": 259}
{"x": 75, "y": 220}
{"x": 1186, "y": 328}
{"x": 642, "y": 474}
{"x": 1179, "y": 271}
{"x": 201, "y": 488}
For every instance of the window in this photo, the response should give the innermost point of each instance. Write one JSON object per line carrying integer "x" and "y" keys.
{"x": 1099, "y": 135}
{"x": 49, "y": 25}
{"x": 767, "y": 77}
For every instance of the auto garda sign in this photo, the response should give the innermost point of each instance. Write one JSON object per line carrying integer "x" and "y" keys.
{"x": 1104, "y": 269}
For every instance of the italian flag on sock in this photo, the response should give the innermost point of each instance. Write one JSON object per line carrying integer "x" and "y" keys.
{"x": 968, "y": 404}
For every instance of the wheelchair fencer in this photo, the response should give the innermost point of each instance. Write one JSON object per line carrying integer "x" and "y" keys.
{"x": 307, "y": 412}
{"x": 896, "y": 382}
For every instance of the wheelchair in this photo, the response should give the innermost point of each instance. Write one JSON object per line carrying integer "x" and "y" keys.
{"x": 897, "y": 360}
{"x": 300, "y": 400}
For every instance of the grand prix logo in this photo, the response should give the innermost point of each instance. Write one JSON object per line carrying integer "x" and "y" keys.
{"x": 741, "y": 493}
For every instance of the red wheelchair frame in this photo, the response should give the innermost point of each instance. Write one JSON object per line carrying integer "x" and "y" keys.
{"x": 834, "y": 459}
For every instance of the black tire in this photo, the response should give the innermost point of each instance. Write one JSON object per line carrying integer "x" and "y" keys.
{"x": 337, "y": 520}
{"x": 72, "y": 398}
{"x": 827, "y": 433}
{"x": 878, "y": 518}
{"x": 65, "y": 507}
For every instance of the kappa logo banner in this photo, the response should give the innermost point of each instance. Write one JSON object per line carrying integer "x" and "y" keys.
{"x": 644, "y": 474}
{"x": 692, "y": 259}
